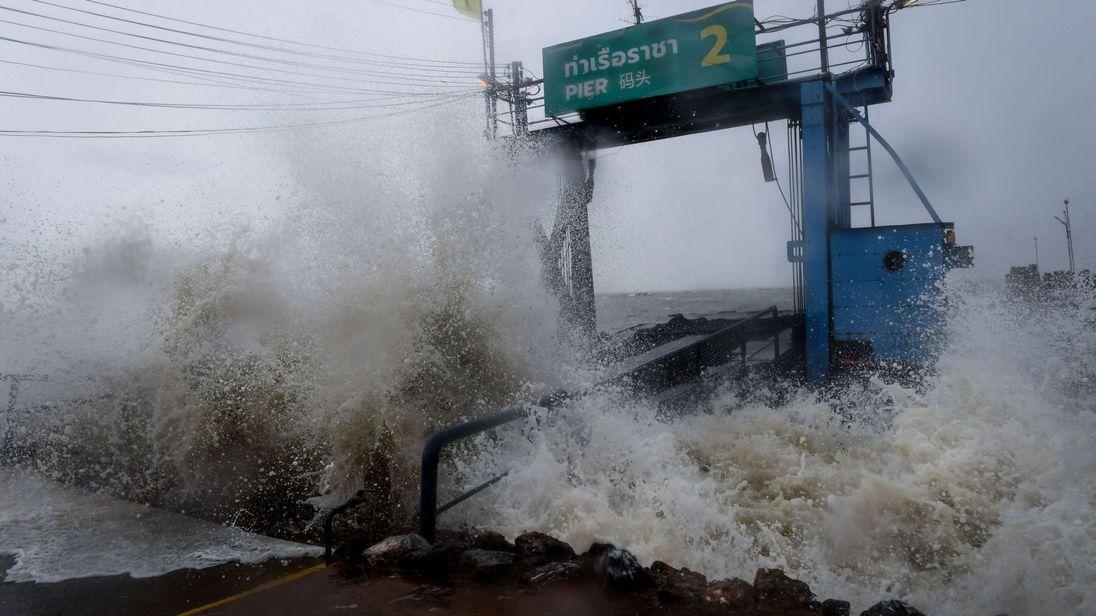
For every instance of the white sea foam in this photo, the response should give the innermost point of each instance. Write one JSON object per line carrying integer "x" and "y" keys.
{"x": 974, "y": 496}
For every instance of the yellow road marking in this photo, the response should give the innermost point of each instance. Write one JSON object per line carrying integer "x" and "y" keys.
{"x": 277, "y": 582}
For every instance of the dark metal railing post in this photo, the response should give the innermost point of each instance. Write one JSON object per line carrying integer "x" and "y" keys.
{"x": 776, "y": 337}
{"x": 329, "y": 521}
{"x": 428, "y": 489}
{"x": 432, "y": 450}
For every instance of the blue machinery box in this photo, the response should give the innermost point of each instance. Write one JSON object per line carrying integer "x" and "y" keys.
{"x": 886, "y": 286}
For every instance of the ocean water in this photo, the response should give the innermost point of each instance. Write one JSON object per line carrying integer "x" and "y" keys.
{"x": 58, "y": 532}
{"x": 619, "y": 311}
{"x": 255, "y": 372}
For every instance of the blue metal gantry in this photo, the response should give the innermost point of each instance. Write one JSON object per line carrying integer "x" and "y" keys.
{"x": 875, "y": 290}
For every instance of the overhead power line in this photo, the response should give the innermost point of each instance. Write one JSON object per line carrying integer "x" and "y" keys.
{"x": 896, "y": 3}
{"x": 92, "y": 134}
{"x": 447, "y": 3}
{"x": 314, "y": 106}
{"x": 213, "y": 83}
{"x": 212, "y": 74}
{"x": 412, "y": 9}
{"x": 386, "y": 63}
{"x": 283, "y": 40}
{"x": 419, "y": 80}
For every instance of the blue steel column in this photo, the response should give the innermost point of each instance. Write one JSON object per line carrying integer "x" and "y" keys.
{"x": 817, "y": 190}
{"x": 839, "y": 153}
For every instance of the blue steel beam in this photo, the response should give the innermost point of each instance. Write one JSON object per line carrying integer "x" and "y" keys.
{"x": 709, "y": 109}
{"x": 818, "y": 188}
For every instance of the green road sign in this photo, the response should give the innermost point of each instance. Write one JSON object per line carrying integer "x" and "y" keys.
{"x": 703, "y": 48}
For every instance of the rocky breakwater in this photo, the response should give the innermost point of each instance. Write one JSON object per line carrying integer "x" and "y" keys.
{"x": 537, "y": 563}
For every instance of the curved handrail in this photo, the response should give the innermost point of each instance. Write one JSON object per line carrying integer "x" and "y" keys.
{"x": 431, "y": 457}
{"x": 432, "y": 450}
{"x": 329, "y": 521}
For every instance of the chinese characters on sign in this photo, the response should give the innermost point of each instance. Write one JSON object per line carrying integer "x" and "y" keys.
{"x": 637, "y": 79}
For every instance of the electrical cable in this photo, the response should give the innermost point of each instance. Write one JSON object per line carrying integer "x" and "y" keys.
{"x": 438, "y": 69}
{"x": 317, "y": 106}
{"x": 191, "y": 71}
{"x": 410, "y": 79}
{"x": 768, "y": 143}
{"x": 209, "y": 83}
{"x": 211, "y": 131}
{"x": 408, "y": 8}
{"x": 283, "y": 40}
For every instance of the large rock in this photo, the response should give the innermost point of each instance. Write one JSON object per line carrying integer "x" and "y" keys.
{"x": 553, "y": 573}
{"x": 676, "y": 585}
{"x": 491, "y": 540}
{"x": 893, "y": 607}
{"x": 486, "y": 564}
{"x": 536, "y": 549}
{"x": 390, "y": 551}
{"x": 736, "y": 594}
{"x": 441, "y": 557}
{"x": 774, "y": 589}
{"x": 349, "y": 556}
{"x": 834, "y": 607}
{"x": 619, "y": 570}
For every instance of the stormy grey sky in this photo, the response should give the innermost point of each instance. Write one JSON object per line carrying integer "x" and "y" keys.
{"x": 990, "y": 107}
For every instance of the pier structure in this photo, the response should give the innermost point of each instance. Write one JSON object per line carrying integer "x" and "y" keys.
{"x": 862, "y": 293}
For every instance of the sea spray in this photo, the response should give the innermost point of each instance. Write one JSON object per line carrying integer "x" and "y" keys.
{"x": 970, "y": 494}
{"x": 279, "y": 367}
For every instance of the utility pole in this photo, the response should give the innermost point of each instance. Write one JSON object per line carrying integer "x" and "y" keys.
{"x": 490, "y": 94}
{"x": 823, "y": 44}
{"x": 637, "y": 14}
{"x": 1036, "y": 253}
{"x": 13, "y": 397}
{"x": 518, "y": 104}
{"x": 1069, "y": 234}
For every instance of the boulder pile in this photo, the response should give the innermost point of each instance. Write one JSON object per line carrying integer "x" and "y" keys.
{"x": 536, "y": 561}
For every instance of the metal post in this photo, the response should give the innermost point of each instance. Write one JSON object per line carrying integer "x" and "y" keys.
{"x": 776, "y": 334}
{"x": 517, "y": 100}
{"x": 817, "y": 110}
{"x": 1069, "y": 239}
{"x": 823, "y": 45}
{"x": 489, "y": 61}
{"x": 567, "y": 260}
{"x": 13, "y": 394}
{"x": 1036, "y": 253}
{"x": 1069, "y": 233}
{"x": 487, "y": 94}
{"x": 871, "y": 176}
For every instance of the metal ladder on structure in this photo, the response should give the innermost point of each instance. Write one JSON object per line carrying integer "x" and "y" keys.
{"x": 866, "y": 148}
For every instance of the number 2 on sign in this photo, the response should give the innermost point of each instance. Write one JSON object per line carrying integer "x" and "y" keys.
{"x": 715, "y": 55}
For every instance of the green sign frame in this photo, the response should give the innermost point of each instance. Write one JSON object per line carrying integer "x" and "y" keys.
{"x": 707, "y": 47}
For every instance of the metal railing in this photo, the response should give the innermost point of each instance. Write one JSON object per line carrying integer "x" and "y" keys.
{"x": 713, "y": 347}
{"x": 329, "y": 522}
{"x": 689, "y": 360}
{"x": 431, "y": 459}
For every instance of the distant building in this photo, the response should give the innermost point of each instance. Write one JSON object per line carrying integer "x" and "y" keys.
{"x": 1022, "y": 282}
